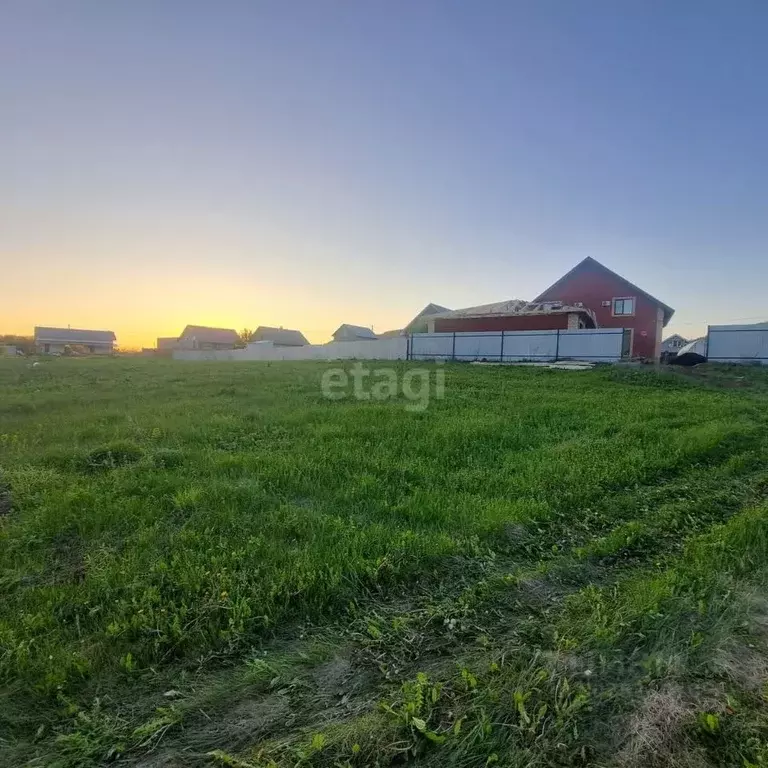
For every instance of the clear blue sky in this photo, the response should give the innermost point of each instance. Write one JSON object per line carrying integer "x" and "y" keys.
{"x": 308, "y": 163}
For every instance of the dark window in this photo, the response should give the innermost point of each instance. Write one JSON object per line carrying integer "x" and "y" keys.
{"x": 623, "y": 306}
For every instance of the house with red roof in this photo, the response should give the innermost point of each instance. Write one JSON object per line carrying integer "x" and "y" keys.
{"x": 615, "y": 303}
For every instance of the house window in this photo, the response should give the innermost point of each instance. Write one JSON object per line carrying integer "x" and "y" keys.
{"x": 624, "y": 306}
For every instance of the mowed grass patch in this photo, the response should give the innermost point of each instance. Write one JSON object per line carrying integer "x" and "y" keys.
{"x": 178, "y": 513}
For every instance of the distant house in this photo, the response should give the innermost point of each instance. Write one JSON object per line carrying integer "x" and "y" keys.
{"x": 280, "y": 337}
{"x": 347, "y": 332}
{"x": 392, "y": 334}
{"x": 53, "y": 341}
{"x": 615, "y": 303}
{"x": 513, "y": 315}
{"x": 419, "y": 324}
{"x": 166, "y": 343}
{"x": 202, "y": 337}
{"x": 673, "y": 344}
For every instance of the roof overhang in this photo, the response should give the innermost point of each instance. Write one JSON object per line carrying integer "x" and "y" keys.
{"x": 74, "y": 340}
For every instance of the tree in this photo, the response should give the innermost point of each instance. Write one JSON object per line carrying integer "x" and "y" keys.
{"x": 245, "y": 335}
{"x": 25, "y": 343}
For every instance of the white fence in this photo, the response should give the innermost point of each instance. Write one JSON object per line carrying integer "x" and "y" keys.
{"x": 395, "y": 348}
{"x": 603, "y": 345}
{"x": 737, "y": 344}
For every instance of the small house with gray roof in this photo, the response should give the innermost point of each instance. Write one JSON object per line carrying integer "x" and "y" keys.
{"x": 347, "y": 332}
{"x": 203, "y": 337}
{"x": 280, "y": 337}
{"x": 54, "y": 341}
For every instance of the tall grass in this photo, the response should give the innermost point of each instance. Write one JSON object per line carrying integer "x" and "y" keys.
{"x": 167, "y": 513}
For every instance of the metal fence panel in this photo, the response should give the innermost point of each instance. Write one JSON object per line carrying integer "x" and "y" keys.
{"x": 431, "y": 346}
{"x": 594, "y": 345}
{"x": 597, "y": 345}
{"x": 477, "y": 346}
{"x": 530, "y": 345}
{"x": 737, "y": 344}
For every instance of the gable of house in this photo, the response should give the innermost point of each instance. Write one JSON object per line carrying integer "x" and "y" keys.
{"x": 591, "y": 273}
{"x": 166, "y": 343}
{"x": 616, "y": 303}
{"x": 282, "y": 337}
{"x": 203, "y": 335}
{"x": 673, "y": 343}
{"x": 420, "y": 322}
{"x": 347, "y": 332}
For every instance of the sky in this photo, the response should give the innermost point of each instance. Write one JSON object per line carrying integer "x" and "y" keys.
{"x": 306, "y": 163}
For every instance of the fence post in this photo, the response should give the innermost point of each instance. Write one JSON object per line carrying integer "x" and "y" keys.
{"x": 501, "y": 353}
{"x": 408, "y": 347}
{"x": 557, "y": 346}
{"x": 708, "y": 332}
{"x": 453, "y": 348}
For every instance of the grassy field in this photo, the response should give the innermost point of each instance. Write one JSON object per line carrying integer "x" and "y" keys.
{"x": 212, "y": 564}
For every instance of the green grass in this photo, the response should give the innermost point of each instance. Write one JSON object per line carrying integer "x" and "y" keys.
{"x": 210, "y": 564}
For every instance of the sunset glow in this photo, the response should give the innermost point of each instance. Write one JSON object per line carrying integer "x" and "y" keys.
{"x": 279, "y": 164}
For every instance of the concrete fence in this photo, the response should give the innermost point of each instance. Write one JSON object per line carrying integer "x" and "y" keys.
{"x": 737, "y": 344}
{"x": 594, "y": 345}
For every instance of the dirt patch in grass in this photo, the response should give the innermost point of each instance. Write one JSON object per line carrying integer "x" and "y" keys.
{"x": 656, "y": 732}
{"x": 341, "y": 681}
{"x": 332, "y": 677}
{"x": 244, "y": 724}
{"x": 660, "y": 732}
{"x": 745, "y": 666}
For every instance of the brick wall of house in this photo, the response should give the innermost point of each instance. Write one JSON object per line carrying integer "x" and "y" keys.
{"x": 593, "y": 287}
{"x": 548, "y": 322}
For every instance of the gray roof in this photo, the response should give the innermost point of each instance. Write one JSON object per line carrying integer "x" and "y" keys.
{"x": 284, "y": 337}
{"x": 395, "y": 332}
{"x": 202, "y": 333}
{"x": 72, "y": 335}
{"x": 419, "y": 321}
{"x": 358, "y": 330}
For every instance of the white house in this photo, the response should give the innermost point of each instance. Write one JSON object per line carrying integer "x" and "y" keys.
{"x": 203, "y": 337}
{"x": 280, "y": 337}
{"x": 347, "y": 332}
{"x": 673, "y": 344}
{"x": 53, "y": 341}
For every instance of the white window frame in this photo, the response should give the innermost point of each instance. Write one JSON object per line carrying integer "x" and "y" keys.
{"x": 633, "y": 299}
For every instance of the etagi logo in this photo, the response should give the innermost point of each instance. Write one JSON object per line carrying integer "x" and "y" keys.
{"x": 417, "y": 385}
